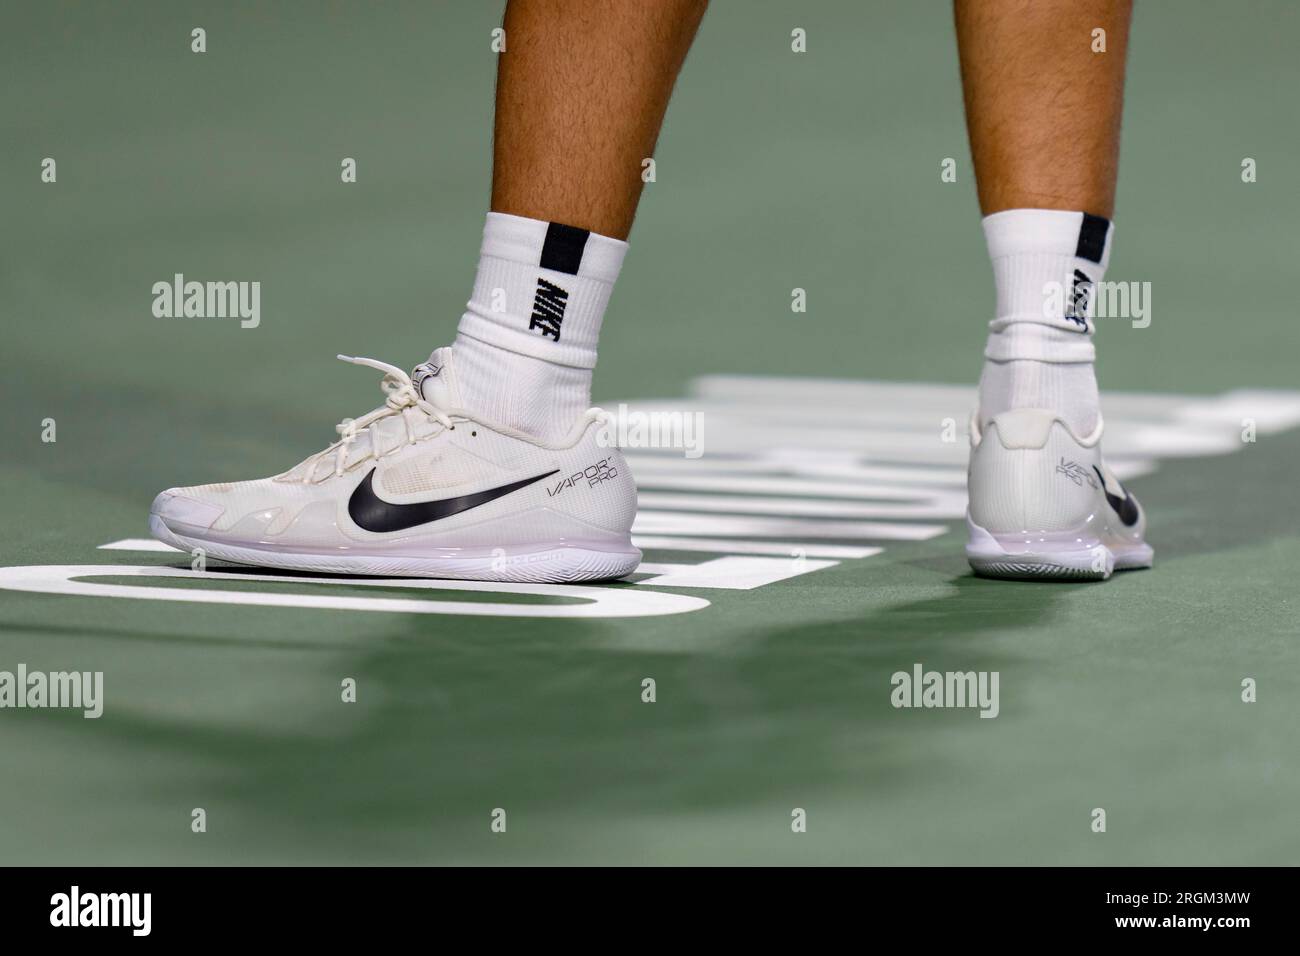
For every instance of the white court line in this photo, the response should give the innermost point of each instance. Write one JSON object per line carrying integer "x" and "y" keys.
{"x": 784, "y": 549}
{"x": 1271, "y": 411}
{"x": 840, "y": 393}
{"x": 847, "y": 465}
{"x": 593, "y": 602}
{"x": 842, "y": 401}
{"x": 934, "y": 503}
{"x": 731, "y": 573}
{"x": 650, "y": 470}
{"x": 811, "y": 487}
{"x": 652, "y": 521}
{"x": 139, "y": 544}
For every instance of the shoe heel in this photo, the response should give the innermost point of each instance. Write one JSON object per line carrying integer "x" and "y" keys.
{"x": 1064, "y": 556}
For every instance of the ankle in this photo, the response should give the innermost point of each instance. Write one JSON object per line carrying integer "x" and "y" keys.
{"x": 534, "y": 396}
{"x": 1067, "y": 388}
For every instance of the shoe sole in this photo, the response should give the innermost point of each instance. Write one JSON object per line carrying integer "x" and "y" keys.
{"x": 562, "y": 564}
{"x": 999, "y": 556}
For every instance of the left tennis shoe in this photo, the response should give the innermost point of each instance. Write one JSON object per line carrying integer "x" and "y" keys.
{"x": 423, "y": 487}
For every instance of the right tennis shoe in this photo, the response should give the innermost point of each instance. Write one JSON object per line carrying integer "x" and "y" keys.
{"x": 1044, "y": 506}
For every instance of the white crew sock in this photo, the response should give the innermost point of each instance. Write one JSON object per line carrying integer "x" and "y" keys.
{"x": 526, "y": 345}
{"x": 1039, "y": 353}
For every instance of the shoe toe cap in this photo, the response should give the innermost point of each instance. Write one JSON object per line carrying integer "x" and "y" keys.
{"x": 180, "y": 506}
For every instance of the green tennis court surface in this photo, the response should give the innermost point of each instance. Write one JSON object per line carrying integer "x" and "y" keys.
{"x": 812, "y": 551}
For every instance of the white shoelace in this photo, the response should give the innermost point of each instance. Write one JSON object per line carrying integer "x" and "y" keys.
{"x": 402, "y": 399}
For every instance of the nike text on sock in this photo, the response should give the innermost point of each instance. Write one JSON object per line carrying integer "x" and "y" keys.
{"x": 1039, "y": 353}
{"x": 542, "y": 289}
{"x": 526, "y": 344}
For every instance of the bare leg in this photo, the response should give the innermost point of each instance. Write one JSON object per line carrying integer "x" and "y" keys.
{"x": 581, "y": 93}
{"x": 1042, "y": 108}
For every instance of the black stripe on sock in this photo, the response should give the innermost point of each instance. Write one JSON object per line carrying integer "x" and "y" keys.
{"x": 1092, "y": 237}
{"x": 562, "y": 250}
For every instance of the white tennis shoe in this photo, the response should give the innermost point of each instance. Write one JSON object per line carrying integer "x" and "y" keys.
{"x": 1043, "y": 504}
{"x": 421, "y": 487}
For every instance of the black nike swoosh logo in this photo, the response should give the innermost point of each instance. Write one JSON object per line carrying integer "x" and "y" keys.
{"x": 1125, "y": 507}
{"x": 373, "y": 513}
